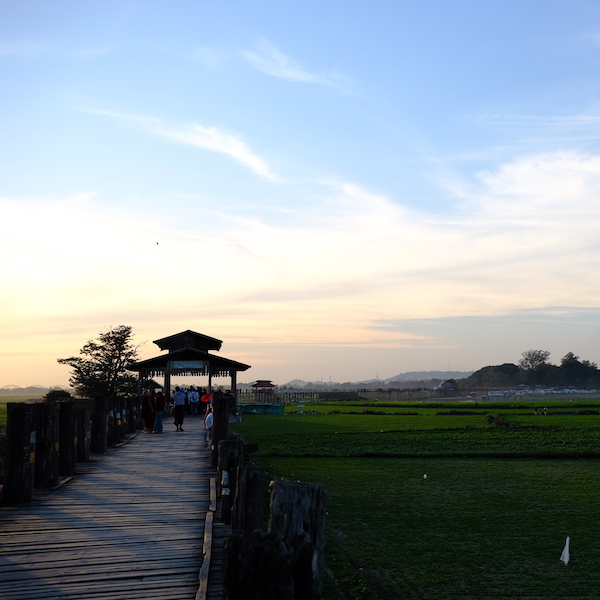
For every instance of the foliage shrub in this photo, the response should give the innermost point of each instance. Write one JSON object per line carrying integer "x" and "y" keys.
{"x": 57, "y": 396}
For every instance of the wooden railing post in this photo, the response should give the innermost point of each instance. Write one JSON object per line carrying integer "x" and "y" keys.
{"x": 137, "y": 412}
{"x": 257, "y": 568}
{"x": 220, "y": 427}
{"x": 119, "y": 425}
{"x": 67, "y": 452}
{"x": 231, "y": 457}
{"x": 99, "y": 425}
{"x": 19, "y": 460}
{"x": 110, "y": 436}
{"x": 298, "y": 518}
{"x": 47, "y": 444}
{"x": 286, "y": 562}
{"x": 83, "y": 435}
{"x": 248, "y": 513}
{"x": 130, "y": 415}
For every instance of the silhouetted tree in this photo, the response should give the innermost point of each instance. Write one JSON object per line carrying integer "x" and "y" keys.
{"x": 576, "y": 373}
{"x": 57, "y": 395}
{"x": 101, "y": 370}
{"x": 533, "y": 359}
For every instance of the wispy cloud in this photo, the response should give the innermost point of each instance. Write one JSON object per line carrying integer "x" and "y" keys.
{"x": 31, "y": 49}
{"x": 529, "y": 131}
{"x": 358, "y": 270}
{"x": 26, "y": 49}
{"x": 270, "y": 60}
{"x": 200, "y": 136}
{"x": 211, "y": 58}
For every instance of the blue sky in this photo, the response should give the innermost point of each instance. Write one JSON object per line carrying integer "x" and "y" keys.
{"x": 334, "y": 189}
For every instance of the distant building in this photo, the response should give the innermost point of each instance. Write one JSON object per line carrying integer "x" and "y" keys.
{"x": 264, "y": 390}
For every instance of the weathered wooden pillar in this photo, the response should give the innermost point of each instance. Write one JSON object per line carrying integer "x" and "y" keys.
{"x": 257, "y": 568}
{"x": 248, "y": 513}
{"x": 47, "y": 444}
{"x": 19, "y": 459}
{"x": 84, "y": 435}
{"x": 119, "y": 423}
{"x": 233, "y": 374}
{"x": 67, "y": 452}
{"x": 298, "y": 518}
{"x": 99, "y": 425}
{"x": 231, "y": 457}
{"x": 111, "y": 437}
{"x": 130, "y": 415}
{"x": 286, "y": 562}
{"x": 220, "y": 427}
{"x": 137, "y": 414}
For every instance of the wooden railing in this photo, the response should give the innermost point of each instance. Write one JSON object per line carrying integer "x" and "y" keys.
{"x": 333, "y": 395}
{"x": 45, "y": 441}
{"x": 284, "y": 559}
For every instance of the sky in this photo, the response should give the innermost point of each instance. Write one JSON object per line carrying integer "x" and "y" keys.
{"x": 338, "y": 190}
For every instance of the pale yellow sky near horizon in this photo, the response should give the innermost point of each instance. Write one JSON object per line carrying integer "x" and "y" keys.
{"x": 334, "y": 191}
{"x": 360, "y": 285}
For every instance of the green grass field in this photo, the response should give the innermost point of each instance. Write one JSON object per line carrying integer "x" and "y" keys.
{"x": 490, "y": 520}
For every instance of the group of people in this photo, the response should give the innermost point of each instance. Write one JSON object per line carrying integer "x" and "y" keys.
{"x": 182, "y": 401}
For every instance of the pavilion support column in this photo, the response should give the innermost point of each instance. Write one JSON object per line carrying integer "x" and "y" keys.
{"x": 233, "y": 374}
{"x": 220, "y": 428}
{"x": 209, "y": 381}
{"x": 167, "y": 382}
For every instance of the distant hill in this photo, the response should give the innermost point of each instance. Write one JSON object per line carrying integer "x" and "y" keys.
{"x": 411, "y": 379}
{"x": 424, "y": 375}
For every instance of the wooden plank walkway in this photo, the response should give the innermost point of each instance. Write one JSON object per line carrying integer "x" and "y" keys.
{"x": 130, "y": 525}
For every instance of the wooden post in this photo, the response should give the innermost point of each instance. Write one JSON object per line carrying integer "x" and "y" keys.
{"x": 220, "y": 425}
{"x": 119, "y": 423}
{"x": 47, "y": 444}
{"x": 298, "y": 518}
{"x": 67, "y": 452}
{"x": 286, "y": 562}
{"x": 258, "y": 568}
{"x": 248, "y": 513}
{"x": 231, "y": 457}
{"x": 130, "y": 416}
{"x": 133, "y": 413}
{"x": 19, "y": 460}
{"x": 233, "y": 373}
{"x": 99, "y": 425}
{"x": 110, "y": 436}
{"x": 83, "y": 435}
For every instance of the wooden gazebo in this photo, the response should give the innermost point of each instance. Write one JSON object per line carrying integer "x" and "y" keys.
{"x": 188, "y": 354}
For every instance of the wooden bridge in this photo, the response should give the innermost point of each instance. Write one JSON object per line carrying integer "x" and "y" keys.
{"x": 134, "y": 522}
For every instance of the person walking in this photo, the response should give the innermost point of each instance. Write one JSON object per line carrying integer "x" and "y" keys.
{"x": 194, "y": 397}
{"x": 159, "y": 405}
{"x": 208, "y": 422}
{"x": 179, "y": 408}
{"x": 208, "y": 419}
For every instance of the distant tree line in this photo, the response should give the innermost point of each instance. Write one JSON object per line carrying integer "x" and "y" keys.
{"x": 534, "y": 369}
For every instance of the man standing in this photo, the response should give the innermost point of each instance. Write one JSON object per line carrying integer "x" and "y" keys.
{"x": 179, "y": 408}
{"x": 194, "y": 397}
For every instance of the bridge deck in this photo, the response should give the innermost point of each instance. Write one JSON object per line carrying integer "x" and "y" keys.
{"x": 131, "y": 525}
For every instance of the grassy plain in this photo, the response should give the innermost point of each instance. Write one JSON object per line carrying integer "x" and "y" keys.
{"x": 504, "y": 488}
